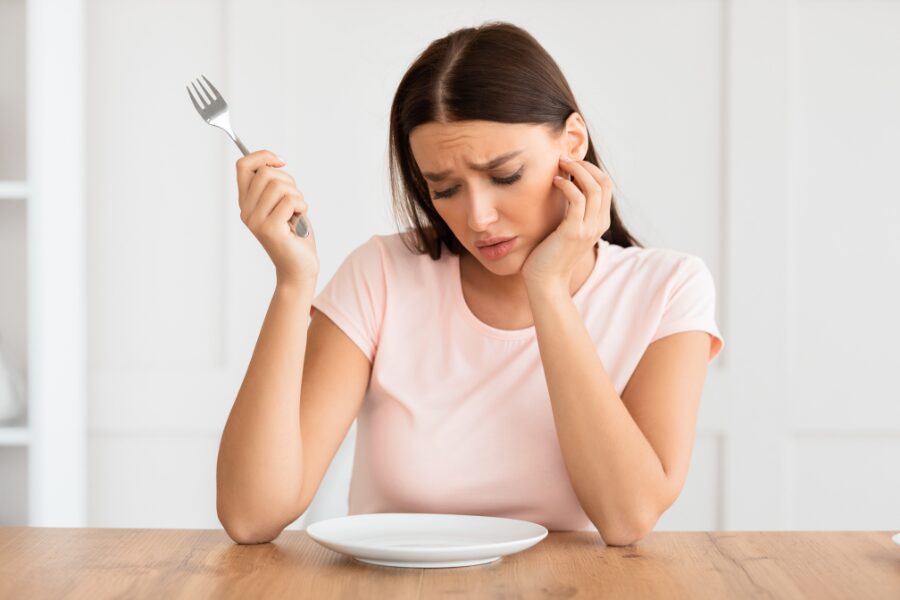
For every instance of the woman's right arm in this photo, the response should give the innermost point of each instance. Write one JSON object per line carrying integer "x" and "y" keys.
{"x": 259, "y": 473}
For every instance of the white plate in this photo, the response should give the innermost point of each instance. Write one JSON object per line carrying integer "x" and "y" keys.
{"x": 426, "y": 540}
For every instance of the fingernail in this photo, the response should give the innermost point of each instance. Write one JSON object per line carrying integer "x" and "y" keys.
{"x": 557, "y": 177}
{"x": 280, "y": 159}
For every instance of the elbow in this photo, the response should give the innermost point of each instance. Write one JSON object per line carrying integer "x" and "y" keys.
{"x": 635, "y": 524}
{"x": 243, "y": 533}
{"x": 627, "y": 533}
{"x": 622, "y": 539}
{"x": 266, "y": 527}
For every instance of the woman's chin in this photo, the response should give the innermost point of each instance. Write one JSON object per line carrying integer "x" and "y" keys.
{"x": 506, "y": 266}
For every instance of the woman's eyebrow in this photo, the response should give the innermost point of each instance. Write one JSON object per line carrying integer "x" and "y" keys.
{"x": 491, "y": 164}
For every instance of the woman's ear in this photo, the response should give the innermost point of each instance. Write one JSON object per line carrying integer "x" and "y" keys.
{"x": 576, "y": 143}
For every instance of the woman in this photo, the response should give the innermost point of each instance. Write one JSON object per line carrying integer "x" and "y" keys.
{"x": 555, "y": 377}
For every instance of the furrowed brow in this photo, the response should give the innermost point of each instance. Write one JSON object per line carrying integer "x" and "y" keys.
{"x": 491, "y": 164}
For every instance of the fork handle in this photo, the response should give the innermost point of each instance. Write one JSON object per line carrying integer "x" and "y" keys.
{"x": 301, "y": 228}
{"x": 241, "y": 145}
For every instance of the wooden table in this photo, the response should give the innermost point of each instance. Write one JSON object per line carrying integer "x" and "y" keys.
{"x": 38, "y": 562}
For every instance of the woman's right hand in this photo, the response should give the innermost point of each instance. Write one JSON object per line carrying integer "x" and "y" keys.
{"x": 268, "y": 199}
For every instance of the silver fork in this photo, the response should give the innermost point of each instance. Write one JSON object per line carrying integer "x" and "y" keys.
{"x": 214, "y": 110}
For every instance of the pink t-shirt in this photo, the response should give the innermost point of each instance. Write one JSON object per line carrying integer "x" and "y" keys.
{"x": 457, "y": 416}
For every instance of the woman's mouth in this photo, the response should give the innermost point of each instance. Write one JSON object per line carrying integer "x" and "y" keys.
{"x": 497, "y": 251}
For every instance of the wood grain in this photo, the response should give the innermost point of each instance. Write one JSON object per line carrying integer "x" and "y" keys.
{"x": 38, "y": 562}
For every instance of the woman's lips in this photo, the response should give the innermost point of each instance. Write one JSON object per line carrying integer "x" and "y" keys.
{"x": 498, "y": 250}
{"x": 493, "y": 240}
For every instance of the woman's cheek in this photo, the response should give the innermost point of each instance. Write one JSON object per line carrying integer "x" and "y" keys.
{"x": 552, "y": 208}
{"x": 557, "y": 200}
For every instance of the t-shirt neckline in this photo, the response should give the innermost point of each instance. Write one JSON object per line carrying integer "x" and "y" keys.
{"x": 513, "y": 334}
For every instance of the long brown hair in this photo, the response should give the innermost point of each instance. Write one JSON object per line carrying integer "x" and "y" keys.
{"x": 494, "y": 72}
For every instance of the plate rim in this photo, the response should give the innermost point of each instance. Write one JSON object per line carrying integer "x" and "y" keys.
{"x": 487, "y": 545}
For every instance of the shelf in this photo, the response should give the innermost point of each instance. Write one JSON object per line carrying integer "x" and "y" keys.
{"x": 14, "y": 435}
{"x": 13, "y": 190}
{"x": 43, "y": 458}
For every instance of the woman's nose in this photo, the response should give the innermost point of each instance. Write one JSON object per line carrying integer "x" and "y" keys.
{"x": 482, "y": 211}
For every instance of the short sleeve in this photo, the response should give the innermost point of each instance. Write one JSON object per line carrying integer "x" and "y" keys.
{"x": 355, "y": 296}
{"x": 691, "y": 304}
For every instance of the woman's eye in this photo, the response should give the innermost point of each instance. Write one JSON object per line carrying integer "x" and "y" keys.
{"x": 498, "y": 180}
{"x": 509, "y": 180}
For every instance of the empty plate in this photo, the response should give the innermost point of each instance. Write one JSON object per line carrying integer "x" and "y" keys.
{"x": 426, "y": 540}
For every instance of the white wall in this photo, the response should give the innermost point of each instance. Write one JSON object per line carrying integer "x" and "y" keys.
{"x": 758, "y": 135}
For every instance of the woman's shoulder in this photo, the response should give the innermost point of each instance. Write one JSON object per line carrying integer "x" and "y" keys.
{"x": 383, "y": 247}
{"x": 395, "y": 255}
{"x": 652, "y": 262}
{"x": 400, "y": 248}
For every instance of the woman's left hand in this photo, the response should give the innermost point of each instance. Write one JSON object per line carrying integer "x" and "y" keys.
{"x": 553, "y": 261}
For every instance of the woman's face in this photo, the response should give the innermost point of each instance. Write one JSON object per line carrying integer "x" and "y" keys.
{"x": 512, "y": 197}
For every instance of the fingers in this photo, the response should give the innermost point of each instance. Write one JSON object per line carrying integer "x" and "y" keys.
{"x": 246, "y": 166}
{"x": 260, "y": 180}
{"x": 275, "y": 190}
{"x": 606, "y": 185}
{"x": 583, "y": 177}
{"x": 288, "y": 207}
{"x": 282, "y": 214}
{"x": 593, "y": 192}
{"x": 575, "y": 210}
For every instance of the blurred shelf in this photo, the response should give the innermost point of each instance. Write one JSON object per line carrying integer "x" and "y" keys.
{"x": 13, "y": 190}
{"x": 14, "y": 435}
{"x": 43, "y": 53}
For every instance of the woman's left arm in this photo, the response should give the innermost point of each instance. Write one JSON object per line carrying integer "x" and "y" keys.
{"x": 627, "y": 457}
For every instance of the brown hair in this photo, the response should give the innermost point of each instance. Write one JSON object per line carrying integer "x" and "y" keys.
{"x": 494, "y": 72}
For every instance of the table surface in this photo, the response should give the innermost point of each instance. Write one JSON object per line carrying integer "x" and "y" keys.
{"x": 49, "y": 562}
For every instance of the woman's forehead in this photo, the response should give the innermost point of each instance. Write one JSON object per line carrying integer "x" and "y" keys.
{"x": 475, "y": 142}
{"x": 472, "y": 131}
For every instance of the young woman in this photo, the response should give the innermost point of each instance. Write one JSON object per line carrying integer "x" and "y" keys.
{"x": 554, "y": 377}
